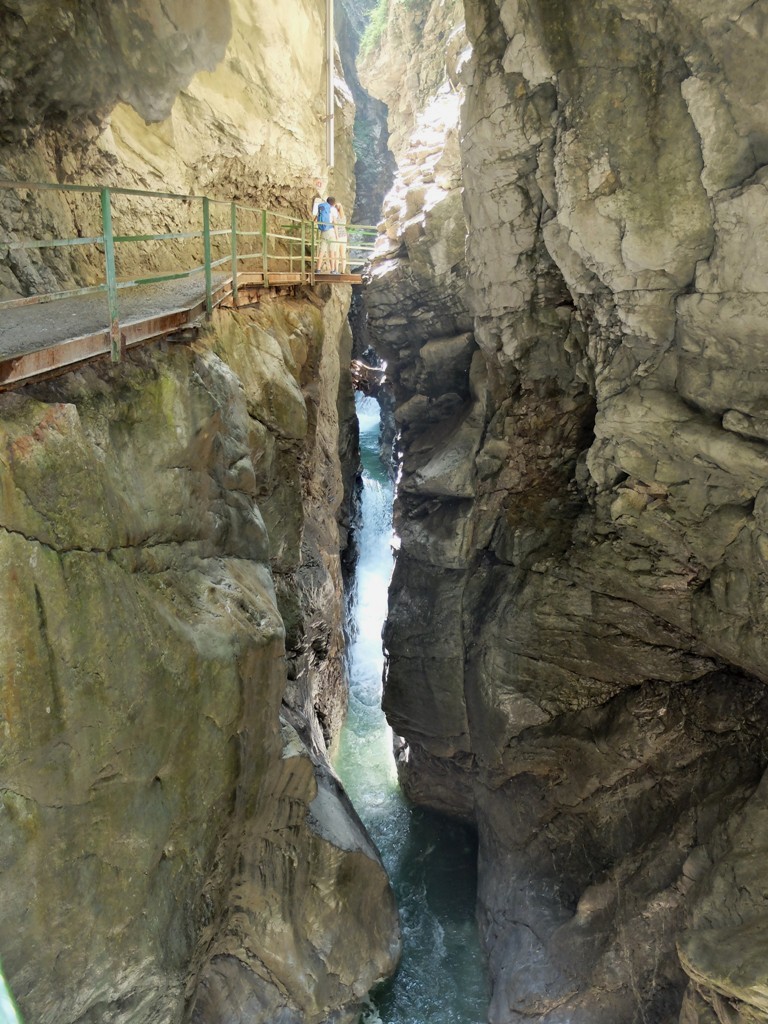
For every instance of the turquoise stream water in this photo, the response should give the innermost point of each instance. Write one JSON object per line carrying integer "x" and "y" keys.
{"x": 431, "y": 861}
{"x": 8, "y": 1012}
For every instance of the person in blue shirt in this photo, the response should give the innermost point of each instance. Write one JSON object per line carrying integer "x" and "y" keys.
{"x": 325, "y": 219}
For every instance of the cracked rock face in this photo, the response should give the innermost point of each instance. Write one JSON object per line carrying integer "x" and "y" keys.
{"x": 577, "y": 629}
{"x": 173, "y": 843}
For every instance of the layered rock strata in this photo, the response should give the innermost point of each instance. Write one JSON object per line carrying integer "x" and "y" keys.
{"x": 576, "y": 635}
{"x": 174, "y": 844}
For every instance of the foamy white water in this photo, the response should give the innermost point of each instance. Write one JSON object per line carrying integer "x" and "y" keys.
{"x": 430, "y": 861}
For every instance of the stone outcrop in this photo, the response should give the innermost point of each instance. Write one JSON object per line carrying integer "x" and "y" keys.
{"x": 576, "y": 636}
{"x": 145, "y": 53}
{"x": 172, "y": 835}
{"x": 173, "y": 843}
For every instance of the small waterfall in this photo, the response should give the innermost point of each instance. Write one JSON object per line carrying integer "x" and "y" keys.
{"x": 431, "y": 861}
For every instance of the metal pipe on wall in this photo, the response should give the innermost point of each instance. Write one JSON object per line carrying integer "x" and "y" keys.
{"x": 329, "y": 98}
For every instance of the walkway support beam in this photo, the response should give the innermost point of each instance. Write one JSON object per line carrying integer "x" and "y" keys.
{"x": 110, "y": 274}
{"x": 264, "y": 248}
{"x": 233, "y": 232}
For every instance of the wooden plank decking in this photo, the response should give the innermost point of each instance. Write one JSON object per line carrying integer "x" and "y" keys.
{"x": 294, "y": 277}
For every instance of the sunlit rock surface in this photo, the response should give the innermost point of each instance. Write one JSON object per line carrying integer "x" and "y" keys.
{"x": 173, "y": 843}
{"x": 577, "y": 632}
{"x": 224, "y": 99}
{"x": 420, "y": 321}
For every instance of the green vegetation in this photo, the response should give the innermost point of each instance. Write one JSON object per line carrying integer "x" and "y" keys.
{"x": 374, "y": 30}
{"x": 378, "y": 15}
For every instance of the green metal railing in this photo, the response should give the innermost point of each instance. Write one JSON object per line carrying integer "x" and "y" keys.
{"x": 277, "y": 245}
{"x": 361, "y": 242}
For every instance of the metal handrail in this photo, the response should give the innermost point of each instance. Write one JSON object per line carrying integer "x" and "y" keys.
{"x": 285, "y": 241}
{"x": 361, "y": 240}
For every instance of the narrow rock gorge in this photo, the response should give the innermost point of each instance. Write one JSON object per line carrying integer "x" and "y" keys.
{"x": 569, "y": 292}
{"x": 577, "y": 627}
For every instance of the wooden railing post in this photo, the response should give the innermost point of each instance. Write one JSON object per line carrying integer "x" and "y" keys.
{"x": 111, "y": 274}
{"x": 207, "y": 257}
{"x": 233, "y": 232}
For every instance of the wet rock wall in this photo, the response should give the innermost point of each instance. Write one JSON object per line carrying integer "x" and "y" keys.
{"x": 174, "y": 844}
{"x": 576, "y": 628}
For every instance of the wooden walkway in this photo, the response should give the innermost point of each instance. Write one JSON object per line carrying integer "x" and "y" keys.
{"x": 279, "y": 279}
{"x": 45, "y": 339}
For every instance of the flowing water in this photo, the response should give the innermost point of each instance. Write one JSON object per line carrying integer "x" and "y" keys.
{"x": 431, "y": 861}
{"x": 8, "y": 1012}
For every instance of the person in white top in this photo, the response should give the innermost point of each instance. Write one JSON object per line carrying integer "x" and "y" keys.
{"x": 341, "y": 239}
{"x": 334, "y": 247}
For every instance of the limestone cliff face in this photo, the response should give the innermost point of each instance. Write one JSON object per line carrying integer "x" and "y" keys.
{"x": 576, "y": 637}
{"x": 222, "y": 99}
{"x": 374, "y": 165}
{"x": 420, "y": 321}
{"x": 143, "y": 52}
{"x": 174, "y": 845}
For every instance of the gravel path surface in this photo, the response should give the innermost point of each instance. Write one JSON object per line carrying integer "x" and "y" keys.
{"x": 28, "y": 328}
